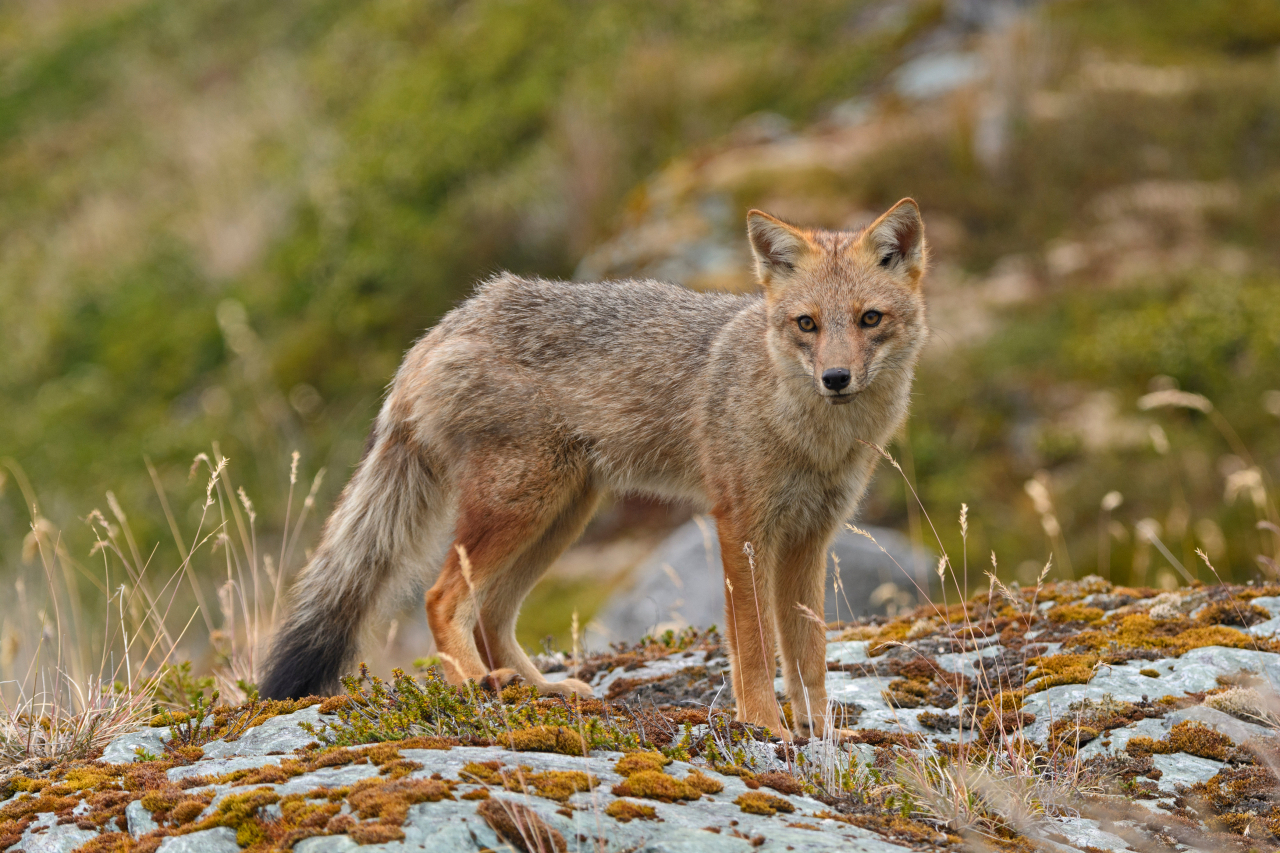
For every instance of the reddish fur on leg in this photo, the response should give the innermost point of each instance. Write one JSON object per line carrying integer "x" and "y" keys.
{"x": 751, "y": 635}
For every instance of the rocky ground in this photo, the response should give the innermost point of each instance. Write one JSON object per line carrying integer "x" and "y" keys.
{"x": 1075, "y": 715}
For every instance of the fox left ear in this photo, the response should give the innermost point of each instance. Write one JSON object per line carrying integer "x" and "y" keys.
{"x": 897, "y": 239}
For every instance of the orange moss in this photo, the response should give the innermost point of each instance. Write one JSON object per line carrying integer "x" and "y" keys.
{"x": 702, "y": 783}
{"x": 1189, "y": 736}
{"x": 1214, "y": 635}
{"x": 1176, "y": 636}
{"x": 758, "y": 802}
{"x": 485, "y": 772}
{"x": 655, "y": 785}
{"x": 389, "y": 800}
{"x": 1054, "y": 670}
{"x": 626, "y": 811}
{"x": 399, "y": 768}
{"x": 1232, "y": 612}
{"x": 521, "y": 827}
{"x": 783, "y": 783}
{"x": 876, "y": 737}
{"x": 907, "y": 693}
{"x": 546, "y": 739}
{"x": 558, "y": 785}
{"x": 1075, "y": 613}
{"x": 636, "y": 761}
{"x": 374, "y": 833}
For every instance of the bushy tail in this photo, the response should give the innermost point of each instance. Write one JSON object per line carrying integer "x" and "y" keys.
{"x": 378, "y": 533}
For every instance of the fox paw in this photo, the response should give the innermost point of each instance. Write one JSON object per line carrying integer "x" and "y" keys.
{"x": 498, "y": 679}
{"x": 837, "y": 735}
{"x": 568, "y": 687}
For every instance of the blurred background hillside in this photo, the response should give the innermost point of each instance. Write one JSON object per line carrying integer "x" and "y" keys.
{"x": 224, "y": 221}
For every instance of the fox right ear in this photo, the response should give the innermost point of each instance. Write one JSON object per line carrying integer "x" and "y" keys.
{"x": 777, "y": 246}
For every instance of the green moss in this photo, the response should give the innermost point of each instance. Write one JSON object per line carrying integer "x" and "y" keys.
{"x": 427, "y": 712}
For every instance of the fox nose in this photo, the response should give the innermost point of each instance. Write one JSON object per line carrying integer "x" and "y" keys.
{"x": 836, "y": 378}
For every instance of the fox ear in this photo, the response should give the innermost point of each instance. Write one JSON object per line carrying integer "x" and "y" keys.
{"x": 897, "y": 239}
{"x": 777, "y": 246}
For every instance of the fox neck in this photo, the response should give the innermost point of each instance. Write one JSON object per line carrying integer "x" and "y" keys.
{"x": 832, "y": 436}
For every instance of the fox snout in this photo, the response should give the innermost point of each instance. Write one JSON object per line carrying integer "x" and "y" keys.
{"x": 838, "y": 385}
{"x": 836, "y": 378}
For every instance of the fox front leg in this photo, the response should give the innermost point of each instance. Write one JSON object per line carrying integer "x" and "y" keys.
{"x": 798, "y": 602}
{"x": 750, "y": 634}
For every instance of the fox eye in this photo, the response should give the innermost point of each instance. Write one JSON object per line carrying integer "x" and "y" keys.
{"x": 806, "y": 324}
{"x": 871, "y": 318}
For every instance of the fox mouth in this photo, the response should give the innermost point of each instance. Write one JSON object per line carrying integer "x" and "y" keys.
{"x": 841, "y": 399}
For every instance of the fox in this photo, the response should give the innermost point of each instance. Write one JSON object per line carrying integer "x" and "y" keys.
{"x": 507, "y": 423}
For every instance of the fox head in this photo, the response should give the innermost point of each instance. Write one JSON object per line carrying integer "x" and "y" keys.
{"x": 843, "y": 306}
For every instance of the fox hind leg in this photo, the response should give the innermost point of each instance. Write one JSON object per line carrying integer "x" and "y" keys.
{"x": 508, "y": 502}
{"x": 502, "y": 599}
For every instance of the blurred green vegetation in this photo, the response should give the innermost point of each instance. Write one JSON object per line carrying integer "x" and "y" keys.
{"x": 1164, "y": 178}
{"x": 226, "y": 220}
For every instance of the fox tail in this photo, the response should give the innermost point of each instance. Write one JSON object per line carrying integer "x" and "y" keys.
{"x": 373, "y": 549}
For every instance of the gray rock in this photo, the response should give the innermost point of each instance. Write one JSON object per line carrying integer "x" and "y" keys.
{"x": 849, "y": 651}
{"x": 445, "y": 827}
{"x": 1238, "y": 730}
{"x": 1082, "y": 832}
{"x": 123, "y": 749}
{"x": 1119, "y": 738}
{"x": 1197, "y": 670}
{"x": 1265, "y": 629}
{"x": 221, "y": 765}
{"x": 278, "y": 734}
{"x": 964, "y": 661}
{"x": 1270, "y": 603}
{"x": 682, "y": 583}
{"x": 936, "y": 74}
{"x": 326, "y": 844}
{"x": 138, "y": 819}
{"x": 45, "y": 836}
{"x": 220, "y": 839}
{"x": 717, "y": 669}
{"x": 329, "y": 777}
{"x": 867, "y": 692}
{"x": 1182, "y": 769}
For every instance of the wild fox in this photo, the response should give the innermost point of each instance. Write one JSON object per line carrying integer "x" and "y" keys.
{"x": 507, "y": 421}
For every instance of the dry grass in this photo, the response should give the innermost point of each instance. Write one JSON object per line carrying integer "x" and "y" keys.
{"x": 74, "y": 689}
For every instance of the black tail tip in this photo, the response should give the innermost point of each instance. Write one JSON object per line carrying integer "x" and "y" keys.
{"x": 302, "y": 664}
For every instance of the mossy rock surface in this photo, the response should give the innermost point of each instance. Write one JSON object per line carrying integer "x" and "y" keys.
{"x": 691, "y": 775}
